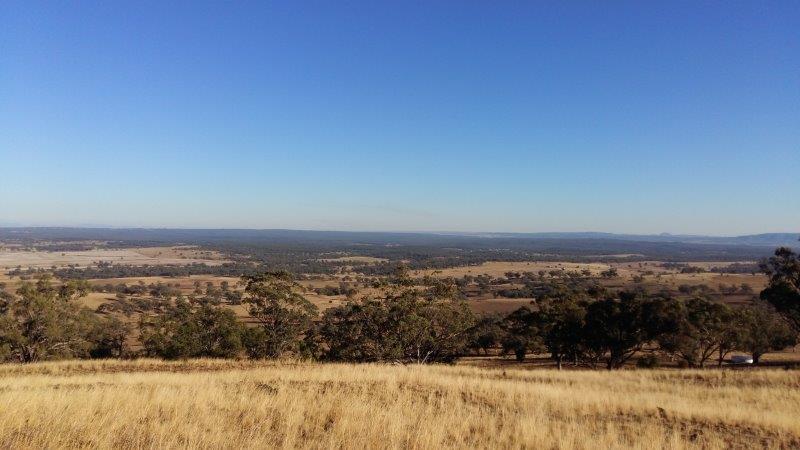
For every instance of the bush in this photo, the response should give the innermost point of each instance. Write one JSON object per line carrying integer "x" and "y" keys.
{"x": 185, "y": 331}
{"x": 284, "y": 314}
{"x": 648, "y": 362}
{"x": 43, "y": 322}
{"x": 404, "y": 327}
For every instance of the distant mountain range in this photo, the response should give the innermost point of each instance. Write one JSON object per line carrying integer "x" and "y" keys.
{"x": 760, "y": 240}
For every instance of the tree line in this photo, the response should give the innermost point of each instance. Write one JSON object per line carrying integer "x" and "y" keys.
{"x": 404, "y": 322}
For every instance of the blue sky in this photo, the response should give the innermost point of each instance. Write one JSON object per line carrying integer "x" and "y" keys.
{"x": 679, "y": 117}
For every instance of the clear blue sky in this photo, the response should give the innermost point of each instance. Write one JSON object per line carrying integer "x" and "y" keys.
{"x": 642, "y": 117}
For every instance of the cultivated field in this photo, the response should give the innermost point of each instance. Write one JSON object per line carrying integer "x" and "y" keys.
{"x": 236, "y": 404}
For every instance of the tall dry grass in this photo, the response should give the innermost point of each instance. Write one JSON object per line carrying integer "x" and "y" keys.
{"x": 229, "y": 404}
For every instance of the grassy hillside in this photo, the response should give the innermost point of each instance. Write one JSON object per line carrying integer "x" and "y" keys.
{"x": 201, "y": 403}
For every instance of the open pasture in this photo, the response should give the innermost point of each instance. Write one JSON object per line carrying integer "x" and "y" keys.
{"x": 10, "y": 259}
{"x": 242, "y": 404}
{"x": 500, "y": 268}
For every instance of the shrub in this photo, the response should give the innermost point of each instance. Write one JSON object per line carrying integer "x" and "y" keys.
{"x": 648, "y": 362}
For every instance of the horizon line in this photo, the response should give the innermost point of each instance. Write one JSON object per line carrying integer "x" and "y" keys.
{"x": 453, "y": 232}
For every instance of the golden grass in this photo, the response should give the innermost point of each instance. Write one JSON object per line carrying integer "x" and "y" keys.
{"x": 241, "y": 404}
{"x": 499, "y": 268}
{"x": 128, "y": 256}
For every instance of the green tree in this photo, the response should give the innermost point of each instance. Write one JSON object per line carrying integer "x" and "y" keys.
{"x": 43, "y": 322}
{"x": 188, "y": 331}
{"x": 432, "y": 330}
{"x": 108, "y": 336}
{"x": 284, "y": 314}
{"x": 522, "y": 334}
{"x": 486, "y": 333}
{"x": 405, "y": 326}
{"x": 562, "y": 328}
{"x": 701, "y": 327}
{"x": 359, "y": 331}
{"x": 783, "y": 290}
{"x": 731, "y": 336}
{"x": 615, "y": 329}
{"x": 764, "y": 331}
{"x": 611, "y": 272}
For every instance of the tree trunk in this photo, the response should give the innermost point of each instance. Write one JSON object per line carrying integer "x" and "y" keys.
{"x": 558, "y": 362}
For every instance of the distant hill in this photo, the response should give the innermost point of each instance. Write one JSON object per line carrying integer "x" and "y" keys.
{"x": 191, "y": 234}
{"x": 771, "y": 239}
{"x": 762, "y": 240}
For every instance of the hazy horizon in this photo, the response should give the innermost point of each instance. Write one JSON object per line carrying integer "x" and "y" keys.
{"x": 631, "y": 118}
{"x": 418, "y": 231}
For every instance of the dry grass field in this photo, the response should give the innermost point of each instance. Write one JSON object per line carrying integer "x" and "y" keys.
{"x": 656, "y": 276}
{"x": 499, "y": 268}
{"x": 238, "y": 404}
{"x": 132, "y": 256}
